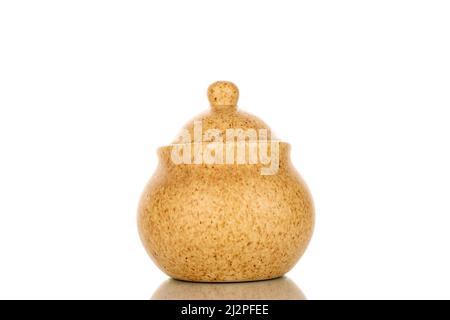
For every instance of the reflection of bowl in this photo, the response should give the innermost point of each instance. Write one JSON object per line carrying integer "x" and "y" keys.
{"x": 277, "y": 289}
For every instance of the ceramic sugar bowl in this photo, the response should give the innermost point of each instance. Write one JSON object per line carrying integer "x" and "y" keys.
{"x": 225, "y": 203}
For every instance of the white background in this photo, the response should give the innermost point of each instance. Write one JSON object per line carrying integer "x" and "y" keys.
{"x": 90, "y": 89}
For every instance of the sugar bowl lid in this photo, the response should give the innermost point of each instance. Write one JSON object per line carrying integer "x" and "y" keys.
{"x": 223, "y": 115}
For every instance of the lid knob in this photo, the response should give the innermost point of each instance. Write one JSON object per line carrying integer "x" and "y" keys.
{"x": 223, "y": 95}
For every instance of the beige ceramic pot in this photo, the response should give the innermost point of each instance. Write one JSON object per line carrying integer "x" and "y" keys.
{"x": 225, "y": 203}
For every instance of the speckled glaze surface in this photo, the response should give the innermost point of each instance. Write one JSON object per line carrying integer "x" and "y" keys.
{"x": 210, "y": 222}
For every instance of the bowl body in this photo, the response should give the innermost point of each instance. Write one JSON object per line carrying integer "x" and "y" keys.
{"x": 225, "y": 222}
